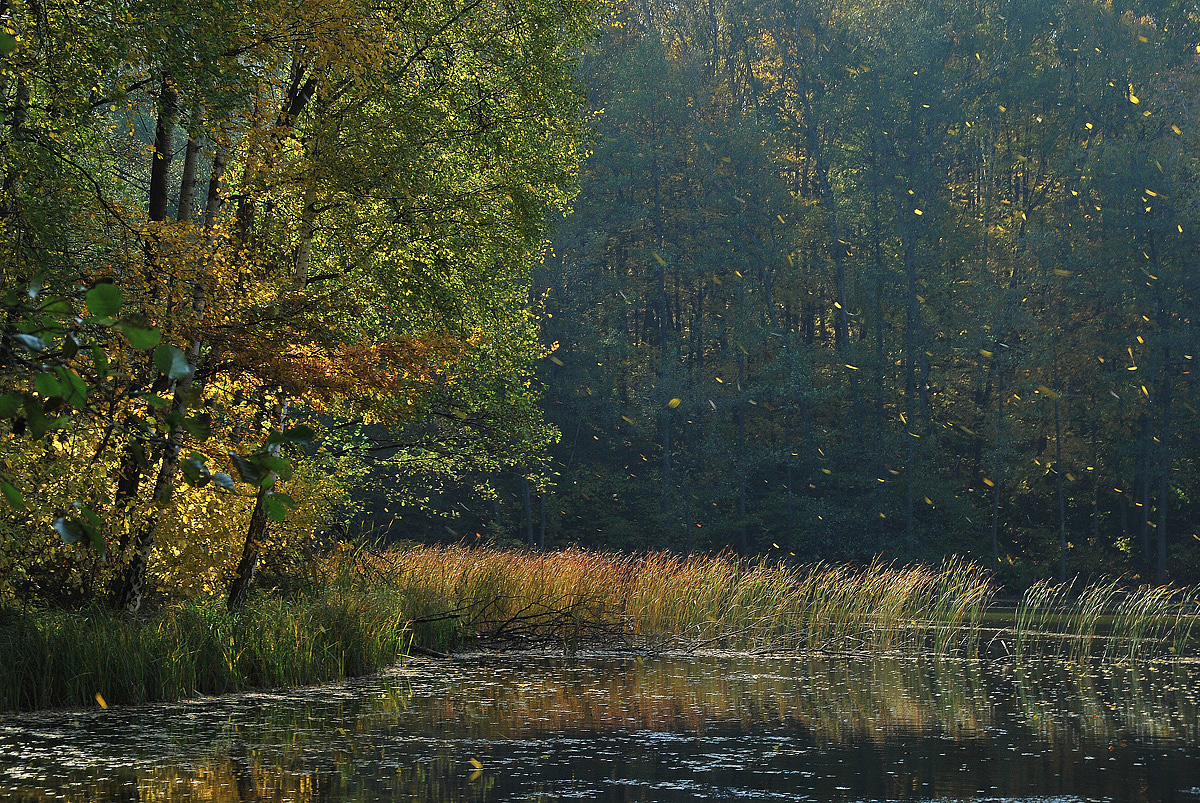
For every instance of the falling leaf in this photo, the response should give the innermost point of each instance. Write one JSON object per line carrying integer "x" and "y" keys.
{"x": 852, "y": 367}
{"x": 1047, "y": 392}
{"x": 658, "y": 258}
{"x": 720, "y": 380}
{"x": 738, "y": 274}
{"x": 826, "y": 471}
{"x": 1003, "y": 109}
{"x": 1134, "y": 98}
{"x": 775, "y": 545}
{"x": 988, "y": 483}
{"x": 673, "y": 403}
{"x": 1088, "y": 126}
{"x": 556, "y": 360}
{"x": 1061, "y": 272}
{"x": 1070, "y": 477}
{"x": 100, "y": 700}
{"x": 918, "y": 212}
{"x": 928, "y": 501}
{"x": 1178, "y": 131}
{"x": 1152, "y": 193}
{"x": 985, "y": 352}
{"x": 476, "y": 763}
{"x": 627, "y": 419}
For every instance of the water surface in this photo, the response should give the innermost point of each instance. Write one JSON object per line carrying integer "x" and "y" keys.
{"x": 536, "y": 727}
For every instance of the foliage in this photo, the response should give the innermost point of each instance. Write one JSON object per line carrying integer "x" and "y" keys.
{"x": 889, "y": 278}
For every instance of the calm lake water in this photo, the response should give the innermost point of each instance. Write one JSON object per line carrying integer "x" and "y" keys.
{"x": 618, "y": 728}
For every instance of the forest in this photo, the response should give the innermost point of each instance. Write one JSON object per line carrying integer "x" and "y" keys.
{"x": 832, "y": 280}
{"x": 910, "y": 279}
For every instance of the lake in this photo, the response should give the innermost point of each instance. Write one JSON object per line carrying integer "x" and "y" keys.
{"x": 610, "y": 727}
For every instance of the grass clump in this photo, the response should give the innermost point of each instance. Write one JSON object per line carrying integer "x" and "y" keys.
{"x": 53, "y": 658}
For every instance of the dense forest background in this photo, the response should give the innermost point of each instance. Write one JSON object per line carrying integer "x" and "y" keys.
{"x": 850, "y": 279}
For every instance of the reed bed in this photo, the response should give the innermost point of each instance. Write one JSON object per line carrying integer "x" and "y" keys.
{"x": 1106, "y": 620}
{"x": 457, "y": 596}
{"x": 53, "y": 658}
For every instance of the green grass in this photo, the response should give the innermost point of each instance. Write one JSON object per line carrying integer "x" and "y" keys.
{"x": 52, "y": 658}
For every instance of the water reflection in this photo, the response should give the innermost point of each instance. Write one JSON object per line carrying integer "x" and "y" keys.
{"x": 619, "y": 728}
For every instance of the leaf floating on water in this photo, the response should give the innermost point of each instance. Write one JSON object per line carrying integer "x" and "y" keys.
{"x": 100, "y": 700}
{"x": 673, "y": 403}
{"x": 627, "y": 419}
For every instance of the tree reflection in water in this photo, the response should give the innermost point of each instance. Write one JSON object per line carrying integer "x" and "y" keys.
{"x": 633, "y": 728}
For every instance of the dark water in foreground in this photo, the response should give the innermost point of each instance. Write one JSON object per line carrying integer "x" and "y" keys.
{"x": 605, "y": 728}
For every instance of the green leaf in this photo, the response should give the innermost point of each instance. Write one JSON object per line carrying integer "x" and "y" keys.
{"x": 8, "y": 42}
{"x": 48, "y": 386}
{"x": 249, "y": 472}
{"x": 9, "y": 404}
{"x": 75, "y": 390}
{"x": 194, "y": 470}
{"x": 104, "y": 300}
{"x": 276, "y": 509}
{"x": 69, "y": 531}
{"x": 100, "y": 360}
{"x": 14, "y": 497}
{"x": 140, "y": 339}
{"x": 156, "y": 401}
{"x": 170, "y": 362}
{"x": 280, "y": 465}
{"x": 291, "y": 503}
{"x": 224, "y": 481}
{"x": 199, "y": 426}
{"x": 31, "y": 342}
{"x": 39, "y": 423}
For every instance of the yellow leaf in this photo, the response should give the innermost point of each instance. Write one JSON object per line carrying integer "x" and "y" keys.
{"x": 1070, "y": 477}
{"x": 658, "y": 258}
{"x": 985, "y": 352}
{"x": 100, "y": 700}
{"x": 826, "y": 471}
{"x": 627, "y": 419}
{"x": 1061, "y": 272}
{"x": 673, "y": 403}
{"x": 476, "y": 763}
{"x": 556, "y": 360}
{"x": 1178, "y": 131}
{"x": 852, "y": 367}
{"x": 720, "y": 380}
{"x": 918, "y": 212}
{"x": 738, "y": 274}
{"x": 988, "y": 483}
{"x": 928, "y": 501}
{"x": 1088, "y": 126}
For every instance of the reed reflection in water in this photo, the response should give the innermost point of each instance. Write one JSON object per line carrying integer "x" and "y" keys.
{"x": 627, "y": 728}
